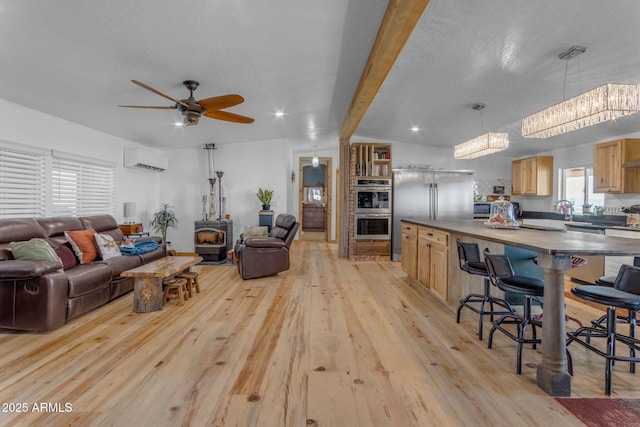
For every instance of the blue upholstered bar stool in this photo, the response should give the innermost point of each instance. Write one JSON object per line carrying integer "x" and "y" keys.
{"x": 470, "y": 262}
{"x": 501, "y": 275}
{"x": 624, "y": 294}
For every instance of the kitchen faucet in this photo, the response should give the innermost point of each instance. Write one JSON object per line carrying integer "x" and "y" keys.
{"x": 565, "y": 207}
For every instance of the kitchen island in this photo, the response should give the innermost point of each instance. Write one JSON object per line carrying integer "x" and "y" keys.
{"x": 554, "y": 249}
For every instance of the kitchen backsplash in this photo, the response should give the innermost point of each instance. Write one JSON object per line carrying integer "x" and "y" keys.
{"x": 484, "y": 187}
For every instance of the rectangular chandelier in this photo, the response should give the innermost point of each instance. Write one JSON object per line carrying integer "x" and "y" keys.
{"x": 481, "y": 146}
{"x": 601, "y": 104}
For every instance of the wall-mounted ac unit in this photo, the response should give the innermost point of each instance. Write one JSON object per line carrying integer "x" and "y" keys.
{"x": 144, "y": 159}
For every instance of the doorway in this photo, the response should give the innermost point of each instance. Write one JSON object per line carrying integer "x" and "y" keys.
{"x": 315, "y": 201}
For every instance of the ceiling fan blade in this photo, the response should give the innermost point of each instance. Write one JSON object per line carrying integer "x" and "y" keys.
{"x": 227, "y": 116}
{"x": 173, "y": 107}
{"x": 157, "y": 92}
{"x": 220, "y": 102}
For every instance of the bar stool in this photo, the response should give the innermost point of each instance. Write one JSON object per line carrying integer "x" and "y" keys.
{"x": 625, "y": 294}
{"x": 609, "y": 281}
{"x": 469, "y": 261}
{"x": 175, "y": 287}
{"x": 501, "y": 275}
{"x": 192, "y": 281}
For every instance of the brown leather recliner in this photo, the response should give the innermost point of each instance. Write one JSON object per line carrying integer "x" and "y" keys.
{"x": 267, "y": 256}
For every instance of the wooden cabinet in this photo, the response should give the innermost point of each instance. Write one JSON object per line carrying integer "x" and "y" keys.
{"x": 409, "y": 249}
{"x": 532, "y": 176}
{"x": 313, "y": 217}
{"x": 433, "y": 265}
{"x": 371, "y": 159}
{"x": 516, "y": 177}
{"x": 608, "y": 174}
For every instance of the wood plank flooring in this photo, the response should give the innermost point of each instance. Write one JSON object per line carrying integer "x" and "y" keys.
{"x": 331, "y": 342}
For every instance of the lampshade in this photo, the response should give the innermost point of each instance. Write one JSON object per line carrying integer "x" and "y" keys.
{"x": 315, "y": 161}
{"x": 481, "y": 146}
{"x": 604, "y": 103}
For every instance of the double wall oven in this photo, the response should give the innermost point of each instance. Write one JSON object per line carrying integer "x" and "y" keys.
{"x": 372, "y": 209}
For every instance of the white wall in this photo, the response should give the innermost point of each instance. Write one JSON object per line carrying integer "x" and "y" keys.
{"x": 27, "y": 127}
{"x": 246, "y": 167}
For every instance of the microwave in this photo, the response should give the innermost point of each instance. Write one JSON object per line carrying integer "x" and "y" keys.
{"x": 481, "y": 210}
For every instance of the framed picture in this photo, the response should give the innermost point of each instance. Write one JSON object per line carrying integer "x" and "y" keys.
{"x": 498, "y": 189}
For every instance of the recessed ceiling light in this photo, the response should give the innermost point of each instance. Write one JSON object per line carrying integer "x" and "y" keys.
{"x": 279, "y": 113}
{"x": 178, "y": 124}
{"x": 415, "y": 129}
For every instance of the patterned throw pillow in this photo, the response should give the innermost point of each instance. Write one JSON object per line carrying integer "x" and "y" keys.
{"x": 83, "y": 244}
{"x": 34, "y": 249}
{"x": 107, "y": 246}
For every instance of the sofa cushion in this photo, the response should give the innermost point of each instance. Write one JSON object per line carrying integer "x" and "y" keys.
{"x": 66, "y": 256}
{"x": 107, "y": 247}
{"x": 58, "y": 225}
{"x": 103, "y": 224}
{"x": 121, "y": 263}
{"x": 17, "y": 230}
{"x": 83, "y": 244}
{"x": 34, "y": 249}
{"x": 87, "y": 278}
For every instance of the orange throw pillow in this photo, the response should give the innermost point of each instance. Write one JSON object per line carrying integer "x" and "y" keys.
{"x": 83, "y": 245}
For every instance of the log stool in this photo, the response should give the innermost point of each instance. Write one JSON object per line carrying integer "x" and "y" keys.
{"x": 175, "y": 287}
{"x": 192, "y": 281}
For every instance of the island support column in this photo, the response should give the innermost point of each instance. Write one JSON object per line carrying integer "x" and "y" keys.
{"x": 552, "y": 375}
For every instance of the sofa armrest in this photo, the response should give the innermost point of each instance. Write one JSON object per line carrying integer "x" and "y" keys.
{"x": 264, "y": 242}
{"x": 20, "y": 269}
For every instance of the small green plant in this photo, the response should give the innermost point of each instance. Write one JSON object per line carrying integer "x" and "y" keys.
{"x": 265, "y": 196}
{"x": 163, "y": 219}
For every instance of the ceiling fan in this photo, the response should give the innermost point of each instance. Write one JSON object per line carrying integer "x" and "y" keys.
{"x": 192, "y": 110}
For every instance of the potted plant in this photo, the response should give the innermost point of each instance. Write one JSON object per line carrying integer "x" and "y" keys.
{"x": 265, "y": 198}
{"x": 163, "y": 219}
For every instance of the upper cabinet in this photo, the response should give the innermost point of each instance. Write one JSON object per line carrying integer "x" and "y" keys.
{"x": 371, "y": 159}
{"x": 532, "y": 176}
{"x": 609, "y": 175}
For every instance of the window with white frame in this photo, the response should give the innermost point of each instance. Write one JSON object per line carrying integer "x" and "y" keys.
{"x": 80, "y": 186}
{"x": 22, "y": 184}
{"x": 577, "y": 187}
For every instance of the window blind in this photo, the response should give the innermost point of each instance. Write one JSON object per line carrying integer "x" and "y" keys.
{"x": 80, "y": 188}
{"x": 22, "y": 184}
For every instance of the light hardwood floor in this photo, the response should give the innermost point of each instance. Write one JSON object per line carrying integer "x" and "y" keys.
{"x": 331, "y": 342}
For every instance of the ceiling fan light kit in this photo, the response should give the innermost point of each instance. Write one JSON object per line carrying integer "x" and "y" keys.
{"x": 192, "y": 110}
{"x": 482, "y": 145}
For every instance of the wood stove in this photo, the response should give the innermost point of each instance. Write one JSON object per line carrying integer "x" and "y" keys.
{"x": 213, "y": 239}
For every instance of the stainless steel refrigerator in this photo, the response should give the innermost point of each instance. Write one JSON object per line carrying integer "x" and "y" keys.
{"x": 429, "y": 194}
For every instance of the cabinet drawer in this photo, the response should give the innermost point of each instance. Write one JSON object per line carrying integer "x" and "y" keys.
{"x": 410, "y": 229}
{"x": 435, "y": 236}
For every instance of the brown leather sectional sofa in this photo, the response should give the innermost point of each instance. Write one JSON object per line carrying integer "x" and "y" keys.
{"x": 40, "y": 295}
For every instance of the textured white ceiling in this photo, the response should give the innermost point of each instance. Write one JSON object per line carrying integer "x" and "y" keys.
{"x": 74, "y": 59}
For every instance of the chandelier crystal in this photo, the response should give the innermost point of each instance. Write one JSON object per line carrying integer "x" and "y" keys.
{"x": 488, "y": 143}
{"x": 601, "y": 104}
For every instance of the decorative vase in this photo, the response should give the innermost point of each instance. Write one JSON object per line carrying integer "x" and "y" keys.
{"x": 266, "y": 207}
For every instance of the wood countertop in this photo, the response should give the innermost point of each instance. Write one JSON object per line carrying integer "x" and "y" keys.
{"x": 562, "y": 243}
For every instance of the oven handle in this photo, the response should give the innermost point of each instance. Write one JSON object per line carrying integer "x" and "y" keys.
{"x": 374, "y": 188}
{"x": 373, "y": 215}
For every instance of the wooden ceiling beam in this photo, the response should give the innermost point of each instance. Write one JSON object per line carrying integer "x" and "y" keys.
{"x": 397, "y": 25}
